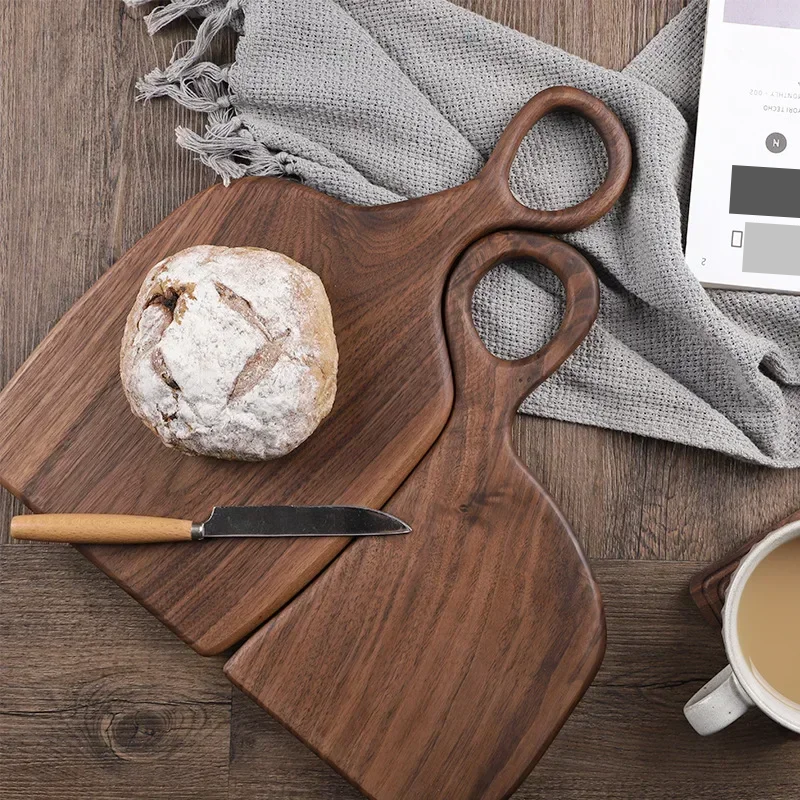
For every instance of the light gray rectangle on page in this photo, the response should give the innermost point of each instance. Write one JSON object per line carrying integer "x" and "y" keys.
{"x": 771, "y": 249}
{"x": 770, "y": 13}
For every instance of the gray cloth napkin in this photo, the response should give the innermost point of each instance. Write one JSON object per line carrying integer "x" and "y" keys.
{"x": 373, "y": 101}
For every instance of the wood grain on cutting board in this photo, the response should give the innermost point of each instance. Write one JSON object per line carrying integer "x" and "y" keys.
{"x": 650, "y": 513}
{"x": 72, "y": 444}
{"x": 441, "y": 664}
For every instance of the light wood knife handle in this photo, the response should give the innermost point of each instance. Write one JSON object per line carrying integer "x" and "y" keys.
{"x": 100, "y": 528}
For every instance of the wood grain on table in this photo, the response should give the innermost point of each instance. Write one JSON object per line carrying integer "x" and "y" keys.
{"x": 98, "y": 700}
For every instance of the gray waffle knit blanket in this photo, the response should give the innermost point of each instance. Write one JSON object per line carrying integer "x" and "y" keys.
{"x": 374, "y": 101}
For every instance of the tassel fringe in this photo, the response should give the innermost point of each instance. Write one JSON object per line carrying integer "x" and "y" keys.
{"x": 227, "y": 146}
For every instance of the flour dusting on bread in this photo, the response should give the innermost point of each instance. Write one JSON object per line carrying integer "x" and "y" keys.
{"x": 230, "y": 352}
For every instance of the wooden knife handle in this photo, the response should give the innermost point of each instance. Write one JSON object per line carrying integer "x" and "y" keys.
{"x": 100, "y": 528}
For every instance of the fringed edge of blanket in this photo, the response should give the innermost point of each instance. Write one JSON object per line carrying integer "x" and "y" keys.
{"x": 227, "y": 146}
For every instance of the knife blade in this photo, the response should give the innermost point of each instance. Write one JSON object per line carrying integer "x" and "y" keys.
{"x": 298, "y": 521}
{"x": 224, "y": 522}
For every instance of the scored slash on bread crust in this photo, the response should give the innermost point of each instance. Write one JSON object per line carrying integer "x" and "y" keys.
{"x": 265, "y": 358}
{"x": 230, "y": 352}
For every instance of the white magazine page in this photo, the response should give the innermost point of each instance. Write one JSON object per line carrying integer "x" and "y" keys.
{"x": 744, "y": 213}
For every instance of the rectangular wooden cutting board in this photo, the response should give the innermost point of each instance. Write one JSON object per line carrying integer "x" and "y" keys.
{"x": 71, "y": 444}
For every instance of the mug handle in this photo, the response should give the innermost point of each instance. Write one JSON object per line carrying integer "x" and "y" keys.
{"x": 721, "y": 701}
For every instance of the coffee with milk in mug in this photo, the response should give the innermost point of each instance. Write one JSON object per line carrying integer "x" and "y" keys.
{"x": 761, "y": 631}
{"x": 769, "y": 622}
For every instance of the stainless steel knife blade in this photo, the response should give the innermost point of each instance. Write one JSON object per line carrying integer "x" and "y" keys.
{"x": 280, "y": 521}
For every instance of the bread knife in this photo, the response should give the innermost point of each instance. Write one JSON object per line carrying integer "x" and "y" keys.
{"x": 224, "y": 522}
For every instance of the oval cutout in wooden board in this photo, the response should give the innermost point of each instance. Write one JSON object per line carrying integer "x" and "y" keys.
{"x": 443, "y": 664}
{"x": 71, "y": 444}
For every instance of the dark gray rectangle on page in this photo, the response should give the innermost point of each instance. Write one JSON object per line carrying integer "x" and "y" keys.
{"x": 765, "y": 191}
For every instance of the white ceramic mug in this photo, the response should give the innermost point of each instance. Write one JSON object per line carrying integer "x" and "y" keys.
{"x": 736, "y": 689}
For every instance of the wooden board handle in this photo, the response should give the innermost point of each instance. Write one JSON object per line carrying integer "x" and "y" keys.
{"x": 519, "y": 378}
{"x": 100, "y": 528}
{"x": 494, "y": 177}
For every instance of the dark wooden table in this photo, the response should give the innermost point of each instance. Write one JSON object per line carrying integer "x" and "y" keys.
{"x": 97, "y": 700}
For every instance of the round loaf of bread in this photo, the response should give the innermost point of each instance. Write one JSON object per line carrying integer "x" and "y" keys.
{"x": 230, "y": 352}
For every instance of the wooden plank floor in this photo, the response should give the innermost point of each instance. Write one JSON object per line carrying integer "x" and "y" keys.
{"x": 98, "y": 700}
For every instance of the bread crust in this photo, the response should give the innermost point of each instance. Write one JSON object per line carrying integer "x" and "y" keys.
{"x": 230, "y": 352}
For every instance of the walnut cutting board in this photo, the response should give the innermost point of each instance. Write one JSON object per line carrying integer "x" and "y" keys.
{"x": 71, "y": 444}
{"x": 442, "y": 665}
